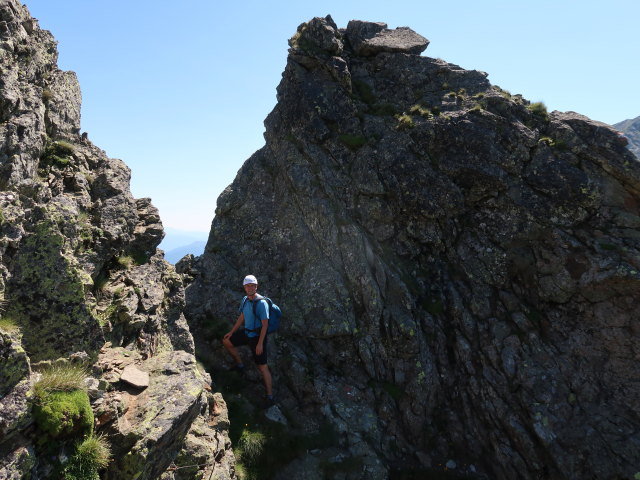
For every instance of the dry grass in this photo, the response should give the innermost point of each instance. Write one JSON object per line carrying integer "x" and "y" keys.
{"x": 63, "y": 377}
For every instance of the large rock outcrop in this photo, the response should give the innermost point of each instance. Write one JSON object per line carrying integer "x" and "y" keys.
{"x": 80, "y": 277}
{"x": 459, "y": 269}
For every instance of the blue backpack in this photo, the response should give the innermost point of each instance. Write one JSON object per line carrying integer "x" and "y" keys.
{"x": 274, "y": 314}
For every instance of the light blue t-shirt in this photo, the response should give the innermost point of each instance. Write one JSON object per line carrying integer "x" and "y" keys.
{"x": 253, "y": 325}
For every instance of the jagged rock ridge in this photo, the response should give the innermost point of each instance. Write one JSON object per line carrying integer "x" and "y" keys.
{"x": 631, "y": 129}
{"x": 459, "y": 269}
{"x": 80, "y": 278}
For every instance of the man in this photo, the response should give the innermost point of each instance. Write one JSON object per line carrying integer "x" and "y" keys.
{"x": 251, "y": 330}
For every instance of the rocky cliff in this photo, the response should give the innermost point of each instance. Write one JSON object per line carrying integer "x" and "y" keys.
{"x": 631, "y": 129}
{"x": 459, "y": 269}
{"x": 81, "y": 282}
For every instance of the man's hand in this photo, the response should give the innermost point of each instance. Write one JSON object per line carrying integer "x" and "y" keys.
{"x": 259, "y": 348}
{"x": 227, "y": 335}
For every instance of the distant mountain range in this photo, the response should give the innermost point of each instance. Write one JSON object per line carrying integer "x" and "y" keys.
{"x": 178, "y": 243}
{"x": 195, "y": 248}
{"x": 631, "y": 129}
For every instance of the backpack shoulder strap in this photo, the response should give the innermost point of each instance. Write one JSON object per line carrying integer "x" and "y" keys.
{"x": 255, "y": 302}
{"x": 244, "y": 301}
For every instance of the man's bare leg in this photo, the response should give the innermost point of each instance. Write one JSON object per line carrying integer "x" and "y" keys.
{"x": 266, "y": 378}
{"x": 232, "y": 351}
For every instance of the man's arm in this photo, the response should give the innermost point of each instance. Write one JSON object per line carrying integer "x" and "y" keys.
{"x": 263, "y": 334}
{"x": 265, "y": 326}
{"x": 236, "y": 326}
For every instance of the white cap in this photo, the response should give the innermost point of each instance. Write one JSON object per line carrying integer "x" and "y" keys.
{"x": 249, "y": 279}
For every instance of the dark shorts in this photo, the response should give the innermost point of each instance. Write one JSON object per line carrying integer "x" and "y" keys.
{"x": 240, "y": 338}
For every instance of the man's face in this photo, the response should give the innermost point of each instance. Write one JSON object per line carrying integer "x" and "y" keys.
{"x": 250, "y": 288}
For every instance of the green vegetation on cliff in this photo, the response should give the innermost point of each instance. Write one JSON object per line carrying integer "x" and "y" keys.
{"x": 60, "y": 414}
{"x": 57, "y": 154}
{"x": 61, "y": 405}
{"x": 92, "y": 454}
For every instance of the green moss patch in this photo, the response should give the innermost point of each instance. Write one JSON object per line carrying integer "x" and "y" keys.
{"x": 59, "y": 414}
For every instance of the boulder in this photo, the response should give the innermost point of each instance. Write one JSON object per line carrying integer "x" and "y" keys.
{"x": 318, "y": 35}
{"x": 368, "y": 39}
{"x": 135, "y": 377}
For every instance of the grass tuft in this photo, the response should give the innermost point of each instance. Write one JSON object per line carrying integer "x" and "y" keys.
{"x": 92, "y": 455}
{"x": 241, "y": 472}
{"x": 405, "y": 121}
{"x": 9, "y": 325}
{"x": 251, "y": 445}
{"x": 96, "y": 450}
{"x": 125, "y": 261}
{"x": 418, "y": 109}
{"x": 539, "y": 109}
{"x": 64, "y": 377}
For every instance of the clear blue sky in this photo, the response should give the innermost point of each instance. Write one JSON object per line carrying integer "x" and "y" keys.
{"x": 179, "y": 90}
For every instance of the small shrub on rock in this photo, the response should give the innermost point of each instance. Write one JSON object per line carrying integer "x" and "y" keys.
{"x": 363, "y": 90}
{"x": 46, "y": 95}
{"x": 383, "y": 109}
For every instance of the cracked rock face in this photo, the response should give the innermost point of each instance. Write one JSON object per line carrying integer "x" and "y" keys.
{"x": 459, "y": 269}
{"x": 79, "y": 270}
